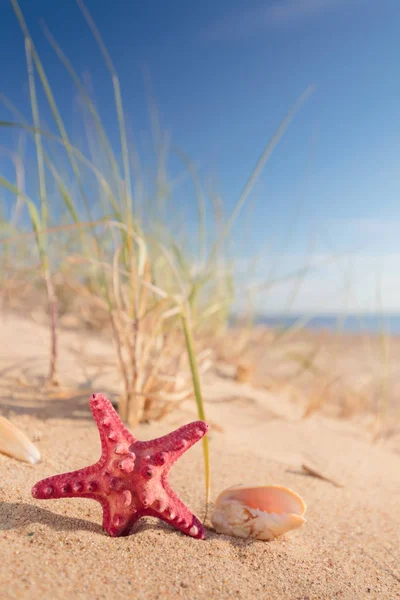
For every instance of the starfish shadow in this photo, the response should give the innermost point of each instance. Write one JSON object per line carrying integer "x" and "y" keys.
{"x": 159, "y": 526}
{"x": 156, "y": 525}
{"x": 14, "y": 515}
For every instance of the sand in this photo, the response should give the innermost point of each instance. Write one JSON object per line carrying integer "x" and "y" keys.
{"x": 348, "y": 549}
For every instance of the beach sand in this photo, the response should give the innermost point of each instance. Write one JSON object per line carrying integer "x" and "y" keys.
{"x": 348, "y": 549}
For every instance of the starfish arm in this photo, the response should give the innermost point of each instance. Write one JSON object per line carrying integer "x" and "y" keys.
{"x": 118, "y": 513}
{"x": 177, "y": 514}
{"x": 170, "y": 447}
{"x": 111, "y": 429}
{"x": 76, "y": 484}
{"x": 118, "y": 520}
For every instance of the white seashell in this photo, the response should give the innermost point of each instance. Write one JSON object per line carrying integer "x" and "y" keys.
{"x": 261, "y": 512}
{"x": 15, "y": 443}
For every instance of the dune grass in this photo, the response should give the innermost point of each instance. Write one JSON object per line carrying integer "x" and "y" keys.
{"x": 87, "y": 245}
{"x": 84, "y": 239}
{"x": 93, "y": 246}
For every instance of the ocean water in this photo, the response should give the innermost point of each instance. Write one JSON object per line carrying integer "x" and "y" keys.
{"x": 352, "y": 323}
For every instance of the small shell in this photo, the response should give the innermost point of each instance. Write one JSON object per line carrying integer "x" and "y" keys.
{"x": 261, "y": 512}
{"x": 15, "y": 443}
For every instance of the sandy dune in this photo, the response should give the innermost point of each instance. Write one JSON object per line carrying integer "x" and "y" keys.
{"x": 349, "y": 548}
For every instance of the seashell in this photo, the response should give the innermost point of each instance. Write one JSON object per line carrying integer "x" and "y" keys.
{"x": 261, "y": 512}
{"x": 15, "y": 443}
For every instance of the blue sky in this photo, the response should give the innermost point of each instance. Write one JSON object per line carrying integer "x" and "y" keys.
{"x": 223, "y": 75}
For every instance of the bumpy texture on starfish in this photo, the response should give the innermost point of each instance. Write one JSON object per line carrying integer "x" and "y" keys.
{"x": 130, "y": 479}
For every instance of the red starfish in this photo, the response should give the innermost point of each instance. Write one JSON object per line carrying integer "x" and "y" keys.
{"x": 130, "y": 479}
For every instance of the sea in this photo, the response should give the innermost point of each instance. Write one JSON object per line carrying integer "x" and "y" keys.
{"x": 351, "y": 323}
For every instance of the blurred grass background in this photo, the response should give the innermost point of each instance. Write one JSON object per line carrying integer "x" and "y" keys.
{"x": 105, "y": 244}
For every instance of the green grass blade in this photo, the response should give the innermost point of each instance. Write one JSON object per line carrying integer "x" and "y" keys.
{"x": 38, "y": 139}
{"x": 52, "y": 103}
{"x": 119, "y": 109}
{"x": 89, "y": 103}
{"x": 199, "y": 398}
{"x": 33, "y": 214}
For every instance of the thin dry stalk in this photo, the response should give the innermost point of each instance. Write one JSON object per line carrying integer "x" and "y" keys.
{"x": 53, "y": 313}
{"x": 150, "y": 350}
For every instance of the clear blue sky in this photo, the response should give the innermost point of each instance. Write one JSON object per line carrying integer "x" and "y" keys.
{"x": 223, "y": 75}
